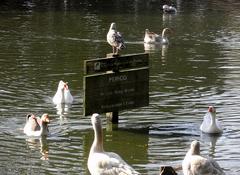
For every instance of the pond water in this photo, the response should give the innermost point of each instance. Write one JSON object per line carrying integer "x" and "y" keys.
{"x": 43, "y": 42}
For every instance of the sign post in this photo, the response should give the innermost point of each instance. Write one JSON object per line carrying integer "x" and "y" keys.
{"x": 116, "y": 83}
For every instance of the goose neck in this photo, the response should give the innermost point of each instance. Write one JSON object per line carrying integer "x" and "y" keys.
{"x": 213, "y": 118}
{"x": 43, "y": 128}
{"x": 98, "y": 138}
{"x": 164, "y": 33}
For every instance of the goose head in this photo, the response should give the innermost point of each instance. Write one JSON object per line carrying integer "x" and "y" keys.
{"x": 45, "y": 118}
{"x": 96, "y": 121}
{"x": 113, "y": 26}
{"x": 61, "y": 85}
{"x": 212, "y": 110}
{"x": 195, "y": 147}
{"x": 30, "y": 117}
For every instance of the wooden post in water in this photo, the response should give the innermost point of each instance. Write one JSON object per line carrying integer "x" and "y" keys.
{"x": 112, "y": 116}
{"x": 167, "y": 170}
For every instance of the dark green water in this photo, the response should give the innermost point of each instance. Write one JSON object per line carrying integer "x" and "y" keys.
{"x": 43, "y": 42}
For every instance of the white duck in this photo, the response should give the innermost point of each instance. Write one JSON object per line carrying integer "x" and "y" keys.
{"x": 36, "y": 126}
{"x": 153, "y": 38}
{"x": 210, "y": 123}
{"x": 115, "y": 39}
{"x": 195, "y": 164}
{"x": 101, "y": 162}
{"x": 63, "y": 95}
{"x": 169, "y": 9}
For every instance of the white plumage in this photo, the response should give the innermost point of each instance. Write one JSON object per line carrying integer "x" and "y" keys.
{"x": 105, "y": 163}
{"x": 36, "y": 126}
{"x": 210, "y": 123}
{"x": 153, "y": 38}
{"x": 169, "y": 9}
{"x": 115, "y": 39}
{"x": 195, "y": 164}
{"x": 63, "y": 94}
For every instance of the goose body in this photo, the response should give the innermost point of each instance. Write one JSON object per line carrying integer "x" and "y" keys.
{"x": 195, "y": 164}
{"x": 169, "y": 9}
{"x": 36, "y": 126}
{"x": 101, "y": 162}
{"x": 115, "y": 39}
{"x": 154, "y": 38}
{"x": 210, "y": 123}
{"x": 63, "y": 94}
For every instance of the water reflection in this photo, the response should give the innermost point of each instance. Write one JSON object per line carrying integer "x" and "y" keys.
{"x": 40, "y": 144}
{"x": 63, "y": 109}
{"x": 211, "y": 140}
{"x": 156, "y": 47}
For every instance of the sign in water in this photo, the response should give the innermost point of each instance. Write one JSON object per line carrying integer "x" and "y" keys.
{"x": 110, "y": 91}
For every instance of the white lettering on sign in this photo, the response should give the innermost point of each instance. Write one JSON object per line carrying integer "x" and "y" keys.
{"x": 117, "y": 78}
{"x": 118, "y": 105}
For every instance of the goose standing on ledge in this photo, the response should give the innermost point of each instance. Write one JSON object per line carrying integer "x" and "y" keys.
{"x": 195, "y": 164}
{"x": 63, "y": 95}
{"x": 36, "y": 126}
{"x": 115, "y": 39}
{"x": 210, "y": 123}
{"x": 101, "y": 162}
{"x": 153, "y": 38}
{"x": 169, "y": 9}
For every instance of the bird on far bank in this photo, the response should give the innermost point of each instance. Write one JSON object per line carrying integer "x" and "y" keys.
{"x": 154, "y": 38}
{"x": 63, "y": 94}
{"x": 101, "y": 162}
{"x": 36, "y": 126}
{"x": 195, "y": 164}
{"x": 115, "y": 39}
{"x": 210, "y": 123}
{"x": 169, "y": 9}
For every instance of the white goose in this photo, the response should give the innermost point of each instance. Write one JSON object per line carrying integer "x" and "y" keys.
{"x": 63, "y": 95}
{"x": 115, "y": 39}
{"x": 210, "y": 123}
{"x": 195, "y": 164}
{"x": 36, "y": 126}
{"x": 101, "y": 162}
{"x": 153, "y": 38}
{"x": 169, "y": 9}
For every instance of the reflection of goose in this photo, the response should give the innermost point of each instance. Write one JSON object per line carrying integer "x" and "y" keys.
{"x": 101, "y": 162}
{"x": 36, "y": 126}
{"x": 39, "y": 143}
{"x": 210, "y": 123}
{"x": 153, "y": 38}
{"x": 115, "y": 39}
{"x": 63, "y": 94}
{"x": 210, "y": 139}
{"x": 156, "y": 47}
{"x": 194, "y": 163}
{"x": 169, "y": 9}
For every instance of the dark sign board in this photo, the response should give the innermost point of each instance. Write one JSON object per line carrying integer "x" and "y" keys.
{"x": 116, "y": 83}
{"x": 108, "y": 92}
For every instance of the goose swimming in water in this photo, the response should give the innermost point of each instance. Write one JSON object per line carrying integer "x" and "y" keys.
{"x": 210, "y": 123}
{"x": 153, "y": 38}
{"x": 101, "y": 162}
{"x": 169, "y": 9}
{"x": 195, "y": 164}
{"x": 36, "y": 126}
{"x": 63, "y": 94}
{"x": 115, "y": 39}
